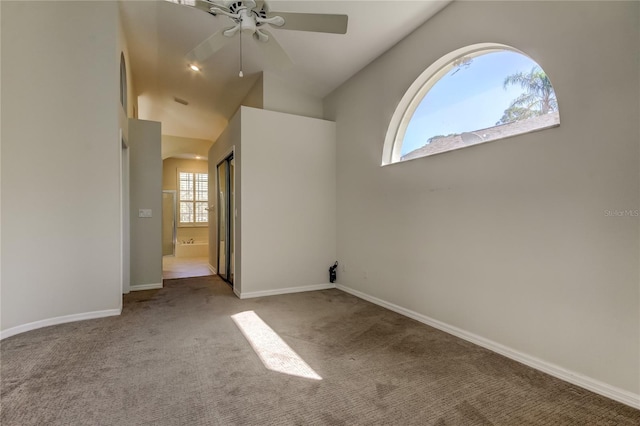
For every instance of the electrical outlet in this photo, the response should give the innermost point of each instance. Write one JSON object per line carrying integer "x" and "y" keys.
{"x": 342, "y": 268}
{"x": 144, "y": 213}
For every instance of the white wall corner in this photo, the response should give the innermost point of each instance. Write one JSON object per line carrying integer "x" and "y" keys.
{"x": 278, "y": 291}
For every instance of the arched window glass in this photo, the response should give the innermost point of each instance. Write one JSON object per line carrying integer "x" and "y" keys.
{"x": 474, "y": 95}
{"x": 123, "y": 83}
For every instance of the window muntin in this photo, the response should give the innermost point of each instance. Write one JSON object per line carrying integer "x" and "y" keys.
{"x": 476, "y": 94}
{"x": 193, "y": 196}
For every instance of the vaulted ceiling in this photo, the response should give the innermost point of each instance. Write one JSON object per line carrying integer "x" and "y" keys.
{"x": 160, "y": 34}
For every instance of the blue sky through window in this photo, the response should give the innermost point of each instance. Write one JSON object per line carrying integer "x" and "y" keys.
{"x": 466, "y": 100}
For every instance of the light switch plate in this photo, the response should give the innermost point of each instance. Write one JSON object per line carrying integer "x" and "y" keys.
{"x": 144, "y": 213}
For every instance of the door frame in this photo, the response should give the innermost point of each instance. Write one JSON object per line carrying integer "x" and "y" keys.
{"x": 230, "y": 155}
{"x": 175, "y": 219}
{"x": 125, "y": 219}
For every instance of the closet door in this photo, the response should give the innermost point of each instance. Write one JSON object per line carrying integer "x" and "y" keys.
{"x": 226, "y": 210}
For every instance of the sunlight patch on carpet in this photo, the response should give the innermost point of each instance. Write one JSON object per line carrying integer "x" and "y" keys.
{"x": 274, "y": 353}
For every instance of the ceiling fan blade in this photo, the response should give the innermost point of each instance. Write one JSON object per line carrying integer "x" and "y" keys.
{"x": 274, "y": 53}
{"x": 208, "y": 47}
{"x": 203, "y": 5}
{"x": 316, "y": 22}
{"x": 200, "y": 4}
{"x": 261, "y": 5}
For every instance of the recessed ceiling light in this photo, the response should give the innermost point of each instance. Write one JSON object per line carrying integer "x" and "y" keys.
{"x": 194, "y": 67}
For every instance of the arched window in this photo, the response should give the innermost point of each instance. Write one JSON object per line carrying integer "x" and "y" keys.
{"x": 123, "y": 83}
{"x": 477, "y": 94}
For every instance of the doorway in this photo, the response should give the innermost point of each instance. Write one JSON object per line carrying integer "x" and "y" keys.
{"x": 169, "y": 223}
{"x": 185, "y": 227}
{"x": 226, "y": 218}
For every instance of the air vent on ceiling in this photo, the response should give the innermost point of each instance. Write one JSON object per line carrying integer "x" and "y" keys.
{"x": 180, "y": 101}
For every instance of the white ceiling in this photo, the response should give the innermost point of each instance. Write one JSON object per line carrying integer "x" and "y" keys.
{"x": 160, "y": 34}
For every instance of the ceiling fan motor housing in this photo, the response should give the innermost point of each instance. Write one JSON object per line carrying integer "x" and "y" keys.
{"x": 235, "y": 6}
{"x": 247, "y": 19}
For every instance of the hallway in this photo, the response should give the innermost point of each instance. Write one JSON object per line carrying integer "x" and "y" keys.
{"x": 185, "y": 267}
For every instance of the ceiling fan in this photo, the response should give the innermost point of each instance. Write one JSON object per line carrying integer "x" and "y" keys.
{"x": 251, "y": 17}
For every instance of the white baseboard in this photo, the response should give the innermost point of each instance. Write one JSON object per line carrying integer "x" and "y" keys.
{"x": 141, "y": 287}
{"x": 288, "y": 290}
{"x": 237, "y": 292}
{"x": 212, "y": 269}
{"x": 58, "y": 320}
{"x": 629, "y": 398}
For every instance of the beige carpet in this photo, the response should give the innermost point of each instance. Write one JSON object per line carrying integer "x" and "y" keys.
{"x": 194, "y": 354}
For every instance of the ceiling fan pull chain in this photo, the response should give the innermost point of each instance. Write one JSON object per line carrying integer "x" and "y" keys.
{"x": 240, "y": 74}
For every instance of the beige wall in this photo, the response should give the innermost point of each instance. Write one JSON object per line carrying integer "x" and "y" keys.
{"x": 123, "y": 121}
{"x": 288, "y": 201}
{"x": 175, "y": 146}
{"x": 132, "y": 99}
{"x": 1, "y": 327}
{"x": 60, "y": 141}
{"x": 508, "y": 240}
{"x": 145, "y": 193}
{"x": 255, "y": 97}
{"x": 270, "y": 92}
{"x": 285, "y": 200}
{"x": 281, "y": 96}
{"x": 170, "y": 182}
